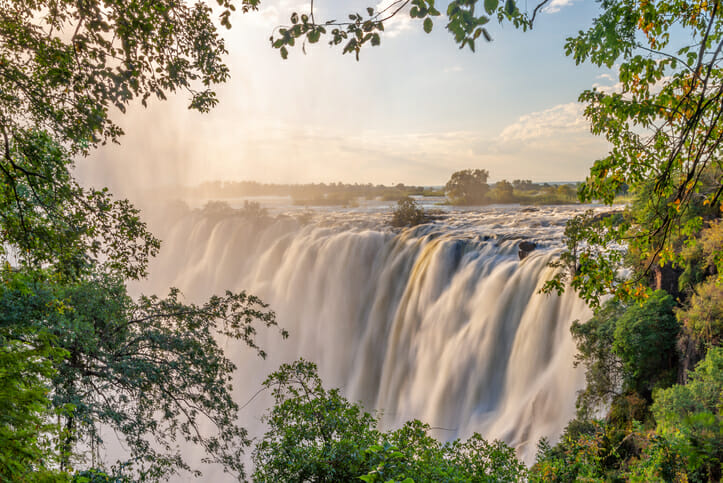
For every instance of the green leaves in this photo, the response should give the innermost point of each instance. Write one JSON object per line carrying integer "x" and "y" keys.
{"x": 428, "y": 25}
{"x": 491, "y": 6}
{"x": 151, "y": 369}
{"x": 317, "y": 435}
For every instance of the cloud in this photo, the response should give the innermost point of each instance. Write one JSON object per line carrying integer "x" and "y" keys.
{"x": 401, "y": 22}
{"x": 555, "y": 122}
{"x": 556, "y": 5}
{"x": 273, "y": 14}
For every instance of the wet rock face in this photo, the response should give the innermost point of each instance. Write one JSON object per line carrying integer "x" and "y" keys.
{"x": 525, "y": 248}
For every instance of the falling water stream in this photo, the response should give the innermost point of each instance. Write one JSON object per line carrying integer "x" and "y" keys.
{"x": 442, "y": 322}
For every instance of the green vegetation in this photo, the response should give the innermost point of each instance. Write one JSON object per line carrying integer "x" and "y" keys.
{"x": 314, "y": 194}
{"x": 77, "y": 352}
{"x": 407, "y": 213}
{"x": 469, "y": 187}
{"x": 317, "y": 435}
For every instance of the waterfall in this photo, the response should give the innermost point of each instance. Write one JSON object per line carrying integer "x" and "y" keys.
{"x": 442, "y": 322}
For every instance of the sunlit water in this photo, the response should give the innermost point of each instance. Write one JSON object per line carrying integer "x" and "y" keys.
{"x": 442, "y": 322}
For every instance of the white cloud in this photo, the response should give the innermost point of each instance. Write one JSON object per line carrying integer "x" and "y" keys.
{"x": 453, "y": 68}
{"x": 553, "y": 123}
{"x": 401, "y": 22}
{"x": 556, "y": 5}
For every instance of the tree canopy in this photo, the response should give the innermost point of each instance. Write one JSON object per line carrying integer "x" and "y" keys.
{"x": 76, "y": 348}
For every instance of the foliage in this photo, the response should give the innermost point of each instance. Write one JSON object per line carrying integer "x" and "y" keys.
{"x": 49, "y": 220}
{"x": 66, "y": 64}
{"x": 502, "y": 192}
{"x": 589, "y": 450}
{"x": 603, "y": 368}
{"x": 689, "y": 418}
{"x": 664, "y": 125}
{"x": 26, "y": 362}
{"x": 467, "y": 187}
{"x": 410, "y": 454}
{"x": 314, "y": 434}
{"x": 645, "y": 340}
{"x": 465, "y": 21}
{"x": 317, "y": 435}
{"x": 152, "y": 369}
{"x": 703, "y": 318}
{"x": 702, "y": 257}
{"x": 408, "y": 213}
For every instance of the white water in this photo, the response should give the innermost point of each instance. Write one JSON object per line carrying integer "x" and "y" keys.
{"x": 442, "y": 322}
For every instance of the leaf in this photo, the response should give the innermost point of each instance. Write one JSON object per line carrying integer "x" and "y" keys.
{"x": 284, "y": 53}
{"x": 510, "y": 7}
{"x": 491, "y": 5}
{"x": 428, "y": 25}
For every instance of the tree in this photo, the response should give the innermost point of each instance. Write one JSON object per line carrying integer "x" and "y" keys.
{"x": 408, "y": 213}
{"x": 645, "y": 341}
{"x": 150, "y": 368}
{"x": 664, "y": 124}
{"x": 26, "y": 452}
{"x": 467, "y": 187}
{"x": 465, "y": 22}
{"x": 502, "y": 192}
{"x": 689, "y": 419}
{"x": 317, "y": 435}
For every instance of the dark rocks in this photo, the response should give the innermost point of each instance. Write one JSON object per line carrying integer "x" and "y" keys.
{"x": 525, "y": 248}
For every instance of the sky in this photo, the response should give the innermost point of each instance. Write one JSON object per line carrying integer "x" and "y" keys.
{"x": 413, "y": 110}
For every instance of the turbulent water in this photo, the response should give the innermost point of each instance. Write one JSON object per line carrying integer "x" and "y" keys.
{"x": 442, "y": 322}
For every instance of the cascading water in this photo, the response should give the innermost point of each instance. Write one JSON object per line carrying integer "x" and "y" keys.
{"x": 442, "y": 322}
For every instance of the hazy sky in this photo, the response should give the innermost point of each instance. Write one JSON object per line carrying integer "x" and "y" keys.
{"x": 413, "y": 110}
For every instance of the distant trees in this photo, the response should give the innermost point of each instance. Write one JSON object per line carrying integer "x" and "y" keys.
{"x": 467, "y": 187}
{"x": 503, "y": 192}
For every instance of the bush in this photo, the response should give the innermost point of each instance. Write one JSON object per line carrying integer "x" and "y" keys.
{"x": 645, "y": 341}
{"x": 689, "y": 418}
{"x": 408, "y": 213}
{"x": 317, "y": 435}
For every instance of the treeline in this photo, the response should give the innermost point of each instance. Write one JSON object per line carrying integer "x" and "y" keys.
{"x": 474, "y": 191}
{"x": 309, "y": 194}
{"x": 469, "y": 187}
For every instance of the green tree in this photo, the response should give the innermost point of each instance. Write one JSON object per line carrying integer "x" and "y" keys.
{"x": 317, "y": 435}
{"x": 314, "y": 434}
{"x": 502, "y": 192}
{"x": 689, "y": 420}
{"x": 645, "y": 340}
{"x": 467, "y": 187}
{"x": 408, "y": 213}
{"x": 150, "y": 368}
{"x": 664, "y": 125}
{"x": 26, "y": 363}
{"x": 603, "y": 368}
